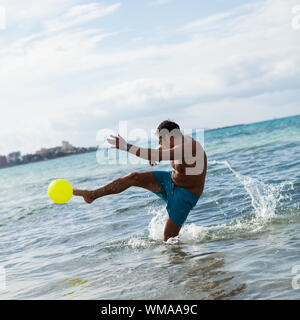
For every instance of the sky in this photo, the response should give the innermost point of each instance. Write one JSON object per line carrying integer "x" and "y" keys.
{"x": 69, "y": 68}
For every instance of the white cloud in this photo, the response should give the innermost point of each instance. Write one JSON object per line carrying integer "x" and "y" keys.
{"x": 20, "y": 12}
{"x": 81, "y": 14}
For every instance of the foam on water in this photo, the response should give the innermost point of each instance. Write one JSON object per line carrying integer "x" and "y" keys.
{"x": 137, "y": 243}
{"x": 157, "y": 224}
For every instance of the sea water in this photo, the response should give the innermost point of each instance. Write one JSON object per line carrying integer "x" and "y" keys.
{"x": 241, "y": 241}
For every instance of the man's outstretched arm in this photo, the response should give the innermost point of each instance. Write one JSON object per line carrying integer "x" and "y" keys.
{"x": 146, "y": 153}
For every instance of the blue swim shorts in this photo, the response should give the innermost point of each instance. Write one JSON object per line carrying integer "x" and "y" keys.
{"x": 180, "y": 201}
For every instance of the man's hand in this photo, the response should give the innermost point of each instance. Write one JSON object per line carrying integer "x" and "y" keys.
{"x": 117, "y": 142}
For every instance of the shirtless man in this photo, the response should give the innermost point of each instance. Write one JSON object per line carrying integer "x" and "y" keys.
{"x": 180, "y": 188}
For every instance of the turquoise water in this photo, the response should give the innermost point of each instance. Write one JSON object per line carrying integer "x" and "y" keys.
{"x": 241, "y": 241}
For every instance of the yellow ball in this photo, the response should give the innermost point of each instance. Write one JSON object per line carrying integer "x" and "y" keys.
{"x": 60, "y": 191}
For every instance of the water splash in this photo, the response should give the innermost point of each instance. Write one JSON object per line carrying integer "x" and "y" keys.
{"x": 138, "y": 243}
{"x": 264, "y": 197}
{"x": 157, "y": 224}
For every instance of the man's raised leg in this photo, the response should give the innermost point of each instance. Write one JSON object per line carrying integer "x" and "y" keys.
{"x": 144, "y": 180}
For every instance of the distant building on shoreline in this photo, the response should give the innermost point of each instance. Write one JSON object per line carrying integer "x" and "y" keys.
{"x": 14, "y": 158}
{"x": 66, "y": 149}
{"x": 3, "y": 161}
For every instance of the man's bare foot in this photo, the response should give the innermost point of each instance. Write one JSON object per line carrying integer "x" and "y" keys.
{"x": 87, "y": 195}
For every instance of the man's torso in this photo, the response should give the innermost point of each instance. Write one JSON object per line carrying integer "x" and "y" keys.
{"x": 190, "y": 172}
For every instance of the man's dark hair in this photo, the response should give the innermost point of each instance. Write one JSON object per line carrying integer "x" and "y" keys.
{"x": 168, "y": 126}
